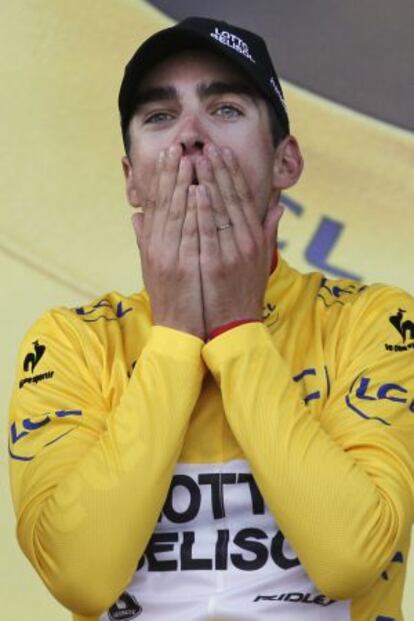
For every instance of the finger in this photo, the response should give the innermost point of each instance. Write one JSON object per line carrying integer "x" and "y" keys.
{"x": 221, "y": 217}
{"x": 150, "y": 202}
{"x": 246, "y": 198}
{"x": 189, "y": 240}
{"x": 224, "y": 179}
{"x": 209, "y": 242}
{"x": 166, "y": 185}
{"x": 205, "y": 175}
{"x": 177, "y": 210}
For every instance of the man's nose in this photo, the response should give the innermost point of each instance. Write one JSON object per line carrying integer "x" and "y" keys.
{"x": 191, "y": 135}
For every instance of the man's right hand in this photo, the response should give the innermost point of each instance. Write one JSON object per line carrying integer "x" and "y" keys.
{"x": 167, "y": 236}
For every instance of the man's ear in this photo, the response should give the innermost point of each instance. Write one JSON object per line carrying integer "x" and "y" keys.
{"x": 288, "y": 163}
{"x": 131, "y": 192}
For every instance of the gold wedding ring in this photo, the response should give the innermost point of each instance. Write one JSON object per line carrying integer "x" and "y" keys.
{"x": 221, "y": 227}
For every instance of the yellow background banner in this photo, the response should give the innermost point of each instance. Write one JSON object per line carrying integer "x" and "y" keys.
{"x": 65, "y": 234}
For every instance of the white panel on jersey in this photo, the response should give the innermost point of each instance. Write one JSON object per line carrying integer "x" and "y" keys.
{"x": 218, "y": 553}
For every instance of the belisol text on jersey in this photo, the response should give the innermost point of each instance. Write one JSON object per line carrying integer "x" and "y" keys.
{"x": 259, "y": 547}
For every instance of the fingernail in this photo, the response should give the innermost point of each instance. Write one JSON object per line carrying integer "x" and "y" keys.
{"x": 228, "y": 154}
{"x": 174, "y": 150}
{"x": 212, "y": 151}
{"x": 202, "y": 191}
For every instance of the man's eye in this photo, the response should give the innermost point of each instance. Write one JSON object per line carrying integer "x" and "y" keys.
{"x": 228, "y": 112}
{"x": 158, "y": 117}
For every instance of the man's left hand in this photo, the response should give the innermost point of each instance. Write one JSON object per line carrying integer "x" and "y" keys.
{"x": 234, "y": 261}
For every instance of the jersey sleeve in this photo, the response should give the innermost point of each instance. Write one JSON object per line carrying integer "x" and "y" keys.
{"x": 88, "y": 481}
{"x": 339, "y": 484}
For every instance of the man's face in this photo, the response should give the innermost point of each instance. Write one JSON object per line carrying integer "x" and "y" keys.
{"x": 195, "y": 98}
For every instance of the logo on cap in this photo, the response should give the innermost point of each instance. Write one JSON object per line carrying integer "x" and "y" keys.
{"x": 278, "y": 92}
{"x": 231, "y": 40}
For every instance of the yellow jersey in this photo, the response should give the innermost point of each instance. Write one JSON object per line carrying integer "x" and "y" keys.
{"x": 265, "y": 474}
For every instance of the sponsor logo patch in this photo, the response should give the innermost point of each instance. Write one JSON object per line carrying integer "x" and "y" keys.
{"x": 102, "y": 310}
{"x": 27, "y": 427}
{"x": 36, "y": 379}
{"x": 364, "y": 393}
{"x": 232, "y": 41}
{"x": 31, "y": 361}
{"x": 297, "y": 598}
{"x": 331, "y": 294}
{"x": 405, "y": 328}
{"x": 125, "y": 608}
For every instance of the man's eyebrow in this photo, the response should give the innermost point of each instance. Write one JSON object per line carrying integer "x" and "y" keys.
{"x": 224, "y": 88}
{"x": 157, "y": 93}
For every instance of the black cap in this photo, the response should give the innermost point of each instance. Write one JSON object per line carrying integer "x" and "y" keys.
{"x": 244, "y": 48}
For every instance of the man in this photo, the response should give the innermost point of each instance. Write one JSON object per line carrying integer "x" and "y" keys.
{"x": 234, "y": 442}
